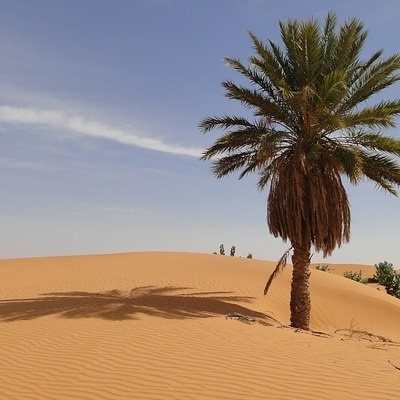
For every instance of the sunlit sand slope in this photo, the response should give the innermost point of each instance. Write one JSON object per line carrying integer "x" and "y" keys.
{"x": 188, "y": 326}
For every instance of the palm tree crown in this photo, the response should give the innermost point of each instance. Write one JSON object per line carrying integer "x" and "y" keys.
{"x": 314, "y": 121}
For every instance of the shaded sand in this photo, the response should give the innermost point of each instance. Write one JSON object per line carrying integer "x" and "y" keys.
{"x": 154, "y": 326}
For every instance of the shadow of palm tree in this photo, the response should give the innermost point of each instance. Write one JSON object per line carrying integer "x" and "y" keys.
{"x": 165, "y": 302}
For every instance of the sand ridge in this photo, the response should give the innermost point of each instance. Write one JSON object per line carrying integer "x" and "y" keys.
{"x": 153, "y": 325}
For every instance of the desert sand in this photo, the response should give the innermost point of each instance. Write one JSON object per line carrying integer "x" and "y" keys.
{"x": 161, "y": 325}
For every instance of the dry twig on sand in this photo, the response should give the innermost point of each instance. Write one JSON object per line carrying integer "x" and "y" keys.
{"x": 393, "y": 365}
{"x": 251, "y": 320}
{"x": 271, "y": 322}
{"x": 355, "y": 334}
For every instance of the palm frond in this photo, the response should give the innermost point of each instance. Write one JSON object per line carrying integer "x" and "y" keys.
{"x": 268, "y": 150}
{"x": 262, "y": 79}
{"x": 381, "y": 115}
{"x": 382, "y": 170}
{"x": 350, "y": 41}
{"x": 332, "y": 89}
{"x": 369, "y": 81}
{"x": 375, "y": 141}
{"x": 349, "y": 161}
{"x": 209, "y": 123}
{"x": 278, "y": 269}
{"x": 270, "y": 63}
{"x": 236, "y": 140}
{"x": 328, "y": 41}
{"x": 231, "y": 163}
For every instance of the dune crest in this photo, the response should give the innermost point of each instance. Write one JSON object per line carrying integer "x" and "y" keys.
{"x": 159, "y": 325}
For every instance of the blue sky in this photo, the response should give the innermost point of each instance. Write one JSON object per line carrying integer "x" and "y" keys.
{"x": 100, "y": 103}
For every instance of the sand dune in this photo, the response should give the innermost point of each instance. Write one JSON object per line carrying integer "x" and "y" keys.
{"x": 154, "y": 326}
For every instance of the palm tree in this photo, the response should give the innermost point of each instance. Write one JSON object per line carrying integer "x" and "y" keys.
{"x": 314, "y": 122}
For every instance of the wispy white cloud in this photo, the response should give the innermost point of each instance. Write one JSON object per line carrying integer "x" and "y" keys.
{"x": 77, "y": 124}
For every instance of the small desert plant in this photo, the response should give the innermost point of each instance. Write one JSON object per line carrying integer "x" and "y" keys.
{"x": 392, "y": 285}
{"x": 250, "y": 255}
{"x": 324, "y": 268}
{"x": 384, "y": 271}
{"x": 233, "y": 250}
{"x": 222, "y": 250}
{"x": 387, "y": 276}
{"x": 355, "y": 276}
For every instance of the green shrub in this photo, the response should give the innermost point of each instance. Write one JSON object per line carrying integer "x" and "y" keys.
{"x": 388, "y": 277}
{"x": 383, "y": 272}
{"x": 323, "y": 268}
{"x": 392, "y": 285}
{"x": 355, "y": 276}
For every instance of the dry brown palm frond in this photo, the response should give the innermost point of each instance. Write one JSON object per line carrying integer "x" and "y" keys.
{"x": 372, "y": 337}
{"x": 278, "y": 269}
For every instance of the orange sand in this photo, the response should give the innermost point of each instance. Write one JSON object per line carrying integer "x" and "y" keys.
{"x": 154, "y": 326}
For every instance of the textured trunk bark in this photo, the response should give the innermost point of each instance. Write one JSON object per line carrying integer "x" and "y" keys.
{"x": 300, "y": 301}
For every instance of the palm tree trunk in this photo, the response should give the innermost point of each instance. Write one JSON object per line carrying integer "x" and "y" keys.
{"x": 300, "y": 301}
